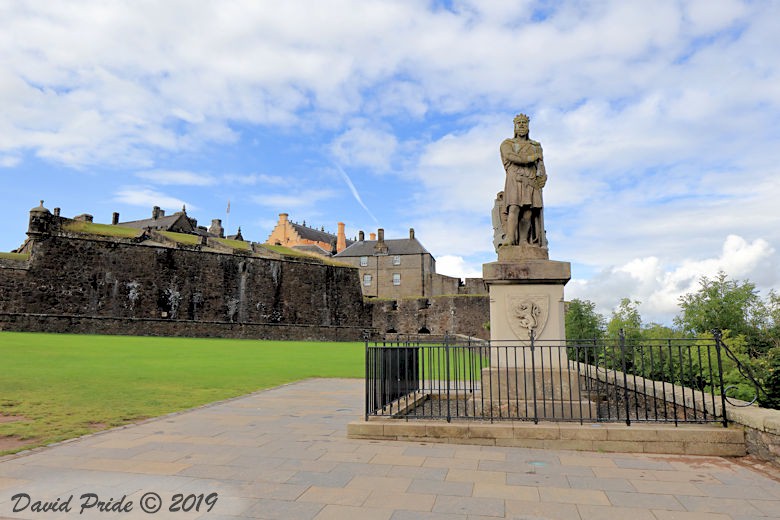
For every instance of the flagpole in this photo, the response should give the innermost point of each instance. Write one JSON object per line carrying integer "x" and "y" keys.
{"x": 227, "y": 218}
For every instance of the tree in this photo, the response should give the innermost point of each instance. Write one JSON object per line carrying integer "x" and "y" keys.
{"x": 626, "y": 317}
{"x": 721, "y": 303}
{"x": 582, "y": 320}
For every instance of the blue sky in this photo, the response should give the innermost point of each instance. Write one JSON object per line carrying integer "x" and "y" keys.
{"x": 660, "y": 123}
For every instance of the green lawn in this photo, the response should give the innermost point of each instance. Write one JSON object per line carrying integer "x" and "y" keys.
{"x": 69, "y": 385}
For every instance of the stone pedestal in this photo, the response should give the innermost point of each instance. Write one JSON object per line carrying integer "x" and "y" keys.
{"x": 526, "y": 294}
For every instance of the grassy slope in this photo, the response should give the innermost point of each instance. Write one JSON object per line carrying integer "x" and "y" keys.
{"x": 182, "y": 238}
{"x": 66, "y": 384}
{"x": 235, "y": 244}
{"x": 101, "y": 229}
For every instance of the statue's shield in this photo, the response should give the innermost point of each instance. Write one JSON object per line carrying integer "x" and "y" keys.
{"x": 527, "y": 312}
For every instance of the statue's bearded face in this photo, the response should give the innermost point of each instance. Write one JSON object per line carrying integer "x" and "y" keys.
{"x": 521, "y": 128}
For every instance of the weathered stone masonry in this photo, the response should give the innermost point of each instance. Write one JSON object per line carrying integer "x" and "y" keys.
{"x": 94, "y": 285}
{"x": 464, "y": 314}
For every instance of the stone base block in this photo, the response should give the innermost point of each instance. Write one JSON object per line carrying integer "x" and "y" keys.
{"x": 687, "y": 439}
{"x": 522, "y": 253}
{"x": 541, "y": 409}
{"x": 504, "y": 384}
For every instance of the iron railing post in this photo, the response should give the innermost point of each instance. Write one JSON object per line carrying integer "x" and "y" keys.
{"x": 717, "y": 335}
{"x": 447, "y": 374}
{"x": 368, "y": 380}
{"x": 533, "y": 376}
{"x": 622, "y": 340}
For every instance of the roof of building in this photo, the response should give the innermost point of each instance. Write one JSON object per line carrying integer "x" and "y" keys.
{"x": 157, "y": 223}
{"x": 395, "y": 246}
{"x": 315, "y": 235}
{"x": 237, "y": 236}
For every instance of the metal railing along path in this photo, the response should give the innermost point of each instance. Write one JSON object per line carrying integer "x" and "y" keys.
{"x": 664, "y": 381}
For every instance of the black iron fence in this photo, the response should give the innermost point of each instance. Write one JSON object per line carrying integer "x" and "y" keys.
{"x": 668, "y": 381}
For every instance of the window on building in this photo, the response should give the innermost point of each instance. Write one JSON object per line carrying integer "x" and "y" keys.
{"x": 363, "y": 261}
{"x": 397, "y": 260}
{"x": 366, "y": 280}
{"x": 396, "y": 279}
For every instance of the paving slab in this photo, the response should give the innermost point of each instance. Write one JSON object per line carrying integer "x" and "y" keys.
{"x": 284, "y": 454}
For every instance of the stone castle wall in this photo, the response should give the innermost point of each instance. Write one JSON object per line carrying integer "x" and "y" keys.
{"x": 89, "y": 285}
{"x": 467, "y": 315}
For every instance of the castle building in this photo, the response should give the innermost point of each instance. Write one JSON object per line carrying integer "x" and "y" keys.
{"x": 168, "y": 276}
{"x": 396, "y": 268}
{"x": 178, "y": 222}
{"x": 300, "y": 236}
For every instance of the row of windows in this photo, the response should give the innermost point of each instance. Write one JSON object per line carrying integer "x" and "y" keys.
{"x": 367, "y": 279}
{"x": 364, "y": 260}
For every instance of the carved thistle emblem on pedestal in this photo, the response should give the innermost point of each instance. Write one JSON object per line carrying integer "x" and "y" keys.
{"x": 527, "y": 312}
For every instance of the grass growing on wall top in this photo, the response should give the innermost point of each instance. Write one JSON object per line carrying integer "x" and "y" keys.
{"x": 287, "y": 251}
{"x": 15, "y": 256}
{"x": 106, "y": 230}
{"x": 235, "y": 244}
{"x": 182, "y": 238}
{"x": 69, "y": 385}
{"x": 305, "y": 255}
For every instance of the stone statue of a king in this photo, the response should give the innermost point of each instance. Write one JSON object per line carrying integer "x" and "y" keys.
{"x": 518, "y": 218}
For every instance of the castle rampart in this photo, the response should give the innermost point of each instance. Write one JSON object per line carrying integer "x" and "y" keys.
{"x": 85, "y": 284}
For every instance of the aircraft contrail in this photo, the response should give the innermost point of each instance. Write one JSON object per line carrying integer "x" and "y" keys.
{"x": 355, "y": 192}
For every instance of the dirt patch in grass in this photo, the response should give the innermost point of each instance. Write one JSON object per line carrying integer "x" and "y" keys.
{"x": 14, "y": 443}
{"x": 11, "y": 418}
{"x": 98, "y": 426}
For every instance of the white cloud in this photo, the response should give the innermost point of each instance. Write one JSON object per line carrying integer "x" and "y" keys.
{"x": 463, "y": 171}
{"x": 705, "y": 16}
{"x": 256, "y": 178}
{"x": 118, "y": 81}
{"x": 9, "y": 161}
{"x": 142, "y": 196}
{"x": 458, "y": 267}
{"x": 170, "y": 177}
{"x": 659, "y": 286}
{"x": 365, "y": 145}
{"x": 290, "y": 201}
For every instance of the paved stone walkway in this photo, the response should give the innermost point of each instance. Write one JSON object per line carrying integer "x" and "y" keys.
{"x": 283, "y": 454}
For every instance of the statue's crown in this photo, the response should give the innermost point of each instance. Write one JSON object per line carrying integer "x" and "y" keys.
{"x": 521, "y": 117}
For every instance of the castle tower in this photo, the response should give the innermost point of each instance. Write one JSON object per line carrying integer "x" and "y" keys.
{"x": 40, "y": 222}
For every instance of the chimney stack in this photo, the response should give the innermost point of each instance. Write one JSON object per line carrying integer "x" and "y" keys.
{"x": 372, "y": 236}
{"x": 361, "y": 236}
{"x": 156, "y": 212}
{"x": 56, "y": 212}
{"x": 411, "y": 233}
{"x": 341, "y": 238}
{"x": 283, "y": 217}
{"x": 216, "y": 228}
{"x": 115, "y": 219}
{"x": 380, "y": 247}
